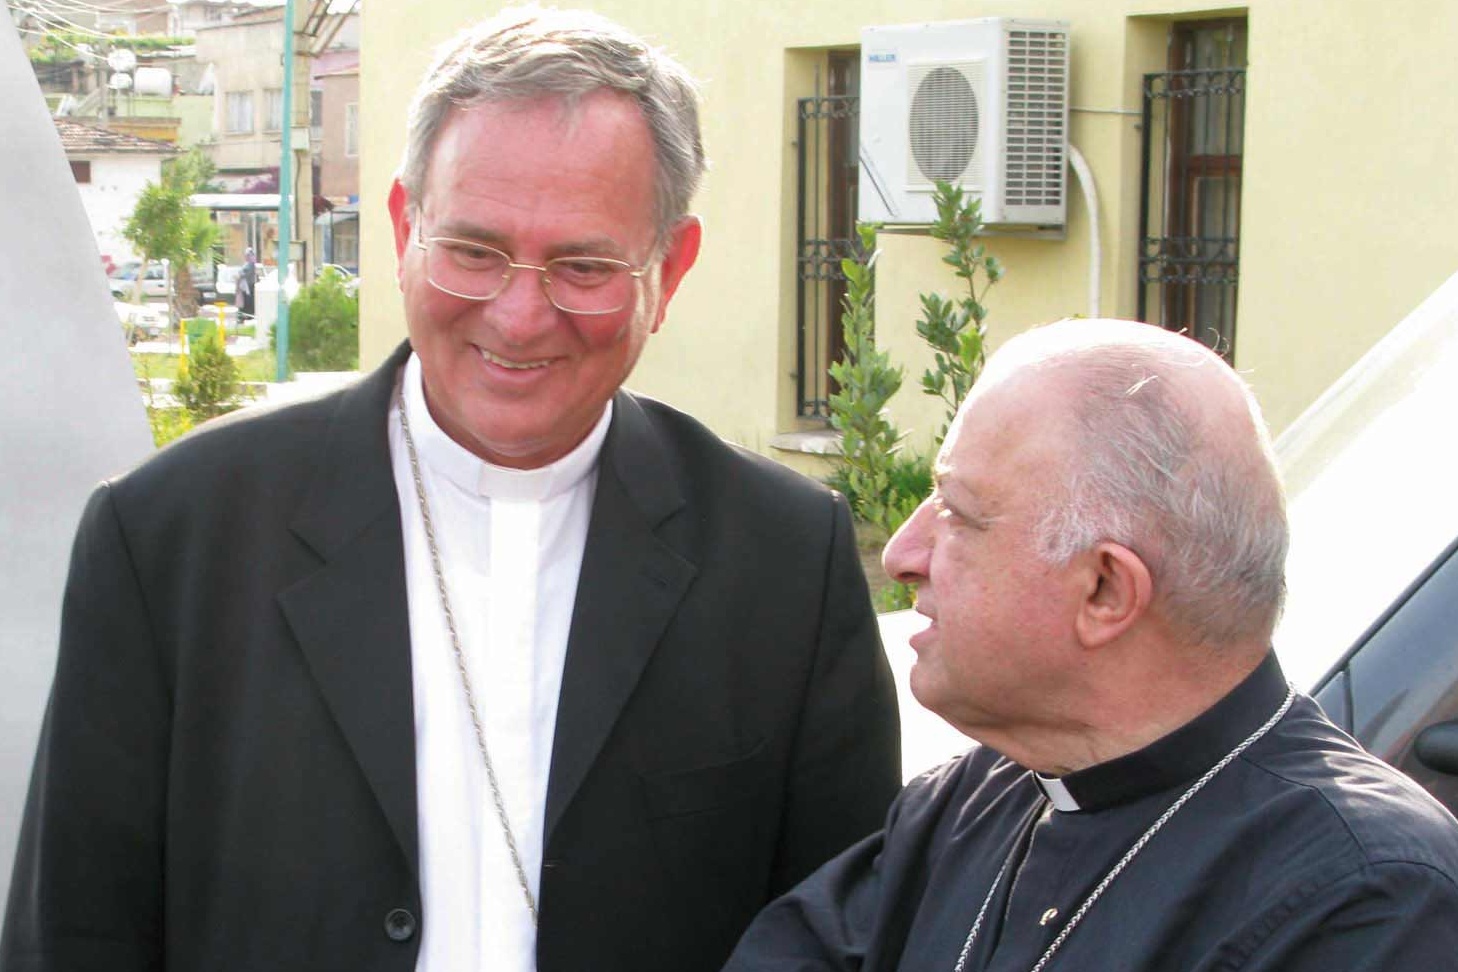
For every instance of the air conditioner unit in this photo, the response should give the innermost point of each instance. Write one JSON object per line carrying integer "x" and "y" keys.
{"x": 982, "y": 104}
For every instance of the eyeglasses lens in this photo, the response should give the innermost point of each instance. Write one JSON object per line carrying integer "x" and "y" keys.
{"x": 580, "y": 285}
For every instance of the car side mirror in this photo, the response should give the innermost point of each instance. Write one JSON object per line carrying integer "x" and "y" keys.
{"x": 1437, "y": 747}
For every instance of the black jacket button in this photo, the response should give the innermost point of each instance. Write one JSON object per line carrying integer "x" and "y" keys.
{"x": 400, "y": 925}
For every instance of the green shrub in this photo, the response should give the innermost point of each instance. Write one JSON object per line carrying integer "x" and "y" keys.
{"x": 882, "y": 483}
{"x": 167, "y": 423}
{"x": 323, "y": 326}
{"x": 207, "y": 380}
{"x": 956, "y": 330}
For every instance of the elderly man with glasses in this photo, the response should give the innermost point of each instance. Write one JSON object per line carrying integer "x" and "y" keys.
{"x": 482, "y": 663}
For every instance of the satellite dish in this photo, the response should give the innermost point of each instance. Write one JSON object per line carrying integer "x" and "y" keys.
{"x": 119, "y": 82}
{"x": 122, "y": 60}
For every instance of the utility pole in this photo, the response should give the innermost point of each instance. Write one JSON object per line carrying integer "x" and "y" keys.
{"x": 316, "y": 23}
{"x": 286, "y": 204}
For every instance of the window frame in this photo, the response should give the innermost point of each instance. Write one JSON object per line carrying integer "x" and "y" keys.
{"x": 351, "y": 130}
{"x": 232, "y": 102}
{"x": 274, "y": 110}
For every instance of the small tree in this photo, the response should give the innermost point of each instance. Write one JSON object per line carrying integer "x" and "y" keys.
{"x": 207, "y": 379}
{"x": 957, "y": 330}
{"x": 882, "y": 483}
{"x": 323, "y": 326}
{"x": 166, "y": 226}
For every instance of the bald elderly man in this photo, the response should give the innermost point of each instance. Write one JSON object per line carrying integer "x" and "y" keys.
{"x": 1101, "y": 566}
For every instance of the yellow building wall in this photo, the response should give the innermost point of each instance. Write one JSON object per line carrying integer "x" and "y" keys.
{"x": 1350, "y": 206}
{"x": 1348, "y": 187}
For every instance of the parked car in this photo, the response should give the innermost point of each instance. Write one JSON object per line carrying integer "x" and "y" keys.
{"x": 154, "y": 281}
{"x": 1371, "y": 622}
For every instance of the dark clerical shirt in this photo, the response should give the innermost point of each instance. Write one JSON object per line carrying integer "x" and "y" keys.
{"x": 1304, "y": 854}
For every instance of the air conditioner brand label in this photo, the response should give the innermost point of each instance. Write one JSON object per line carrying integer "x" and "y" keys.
{"x": 881, "y": 57}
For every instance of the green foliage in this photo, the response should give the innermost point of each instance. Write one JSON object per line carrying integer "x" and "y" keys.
{"x": 882, "y": 483}
{"x": 208, "y": 384}
{"x": 59, "y": 46}
{"x": 956, "y": 330}
{"x": 323, "y": 326}
{"x": 168, "y": 423}
{"x": 164, "y": 226}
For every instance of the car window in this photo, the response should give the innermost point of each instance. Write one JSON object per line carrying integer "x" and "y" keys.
{"x": 1371, "y": 472}
{"x": 1405, "y": 677}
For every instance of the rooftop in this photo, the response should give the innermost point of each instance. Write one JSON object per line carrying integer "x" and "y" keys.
{"x": 77, "y": 138}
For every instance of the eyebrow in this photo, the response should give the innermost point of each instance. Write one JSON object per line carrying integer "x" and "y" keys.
{"x": 962, "y": 499}
{"x": 466, "y": 231}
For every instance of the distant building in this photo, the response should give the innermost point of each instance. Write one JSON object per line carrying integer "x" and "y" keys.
{"x": 132, "y": 17}
{"x": 334, "y": 123}
{"x": 186, "y": 16}
{"x": 110, "y": 169}
{"x": 249, "y": 118}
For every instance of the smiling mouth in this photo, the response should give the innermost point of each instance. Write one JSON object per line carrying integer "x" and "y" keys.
{"x": 512, "y": 365}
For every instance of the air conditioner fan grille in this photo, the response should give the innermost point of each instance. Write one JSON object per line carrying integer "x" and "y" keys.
{"x": 945, "y": 125}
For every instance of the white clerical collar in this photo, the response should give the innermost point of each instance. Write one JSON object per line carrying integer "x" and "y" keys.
{"x": 475, "y": 475}
{"x": 1056, "y": 793}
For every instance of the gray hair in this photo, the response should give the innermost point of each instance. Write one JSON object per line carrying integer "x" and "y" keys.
{"x": 524, "y": 53}
{"x": 1177, "y": 480}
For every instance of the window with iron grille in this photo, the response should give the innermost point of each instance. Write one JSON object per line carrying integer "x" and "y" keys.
{"x": 1194, "y": 121}
{"x": 828, "y": 171}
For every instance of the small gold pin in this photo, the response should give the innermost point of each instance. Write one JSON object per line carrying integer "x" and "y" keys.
{"x": 1048, "y": 916}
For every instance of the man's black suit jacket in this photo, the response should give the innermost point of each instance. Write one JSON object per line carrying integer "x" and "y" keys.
{"x": 226, "y": 774}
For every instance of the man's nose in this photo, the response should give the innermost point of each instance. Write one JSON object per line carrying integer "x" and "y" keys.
{"x": 522, "y": 311}
{"x": 908, "y": 552}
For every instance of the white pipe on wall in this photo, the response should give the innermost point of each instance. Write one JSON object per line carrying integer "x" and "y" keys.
{"x": 1095, "y": 249}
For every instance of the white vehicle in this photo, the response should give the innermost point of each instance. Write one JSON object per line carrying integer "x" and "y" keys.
{"x": 155, "y": 282}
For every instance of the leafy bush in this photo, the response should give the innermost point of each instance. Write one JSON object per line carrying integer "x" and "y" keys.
{"x": 323, "y": 326}
{"x": 957, "y": 330}
{"x": 207, "y": 379}
{"x": 167, "y": 423}
{"x": 882, "y": 483}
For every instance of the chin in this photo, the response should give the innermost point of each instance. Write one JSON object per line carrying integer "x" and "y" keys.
{"x": 924, "y": 687}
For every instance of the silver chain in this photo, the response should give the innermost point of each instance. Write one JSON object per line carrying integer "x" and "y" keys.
{"x": 450, "y": 620}
{"x": 1129, "y": 855}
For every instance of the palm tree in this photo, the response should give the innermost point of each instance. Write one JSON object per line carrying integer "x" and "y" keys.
{"x": 166, "y": 226}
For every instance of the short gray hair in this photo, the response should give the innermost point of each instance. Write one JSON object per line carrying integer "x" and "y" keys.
{"x": 1206, "y": 512}
{"x": 524, "y": 53}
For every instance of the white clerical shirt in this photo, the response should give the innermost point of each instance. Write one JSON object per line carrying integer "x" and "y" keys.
{"x": 511, "y": 544}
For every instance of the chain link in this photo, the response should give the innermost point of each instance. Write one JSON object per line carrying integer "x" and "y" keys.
{"x": 450, "y": 620}
{"x": 1129, "y": 855}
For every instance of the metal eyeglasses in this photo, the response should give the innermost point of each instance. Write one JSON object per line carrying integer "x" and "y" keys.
{"x": 576, "y": 284}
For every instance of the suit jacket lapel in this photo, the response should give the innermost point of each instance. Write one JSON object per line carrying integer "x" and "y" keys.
{"x": 350, "y": 616}
{"x": 629, "y": 587}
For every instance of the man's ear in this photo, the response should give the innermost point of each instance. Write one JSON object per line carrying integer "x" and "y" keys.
{"x": 399, "y": 203}
{"x": 1117, "y": 594}
{"x": 678, "y": 256}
